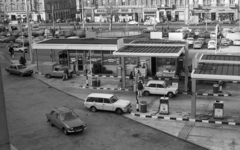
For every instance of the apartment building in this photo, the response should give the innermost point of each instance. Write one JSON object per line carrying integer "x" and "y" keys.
{"x": 174, "y": 10}
{"x": 38, "y": 9}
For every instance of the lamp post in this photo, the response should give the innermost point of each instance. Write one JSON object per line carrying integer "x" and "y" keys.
{"x": 83, "y": 22}
{"x": 29, "y": 34}
{"x": 53, "y": 17}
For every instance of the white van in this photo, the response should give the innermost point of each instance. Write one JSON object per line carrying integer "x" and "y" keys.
{"x": 212, "y": 44}
{"x": 233, "y": 36}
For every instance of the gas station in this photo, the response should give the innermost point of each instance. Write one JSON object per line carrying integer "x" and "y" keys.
{"x": 210, "y": 67}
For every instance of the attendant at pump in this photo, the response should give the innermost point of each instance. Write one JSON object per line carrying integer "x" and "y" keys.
{"x": 140, "y": 88}
{"x": 131, "y": 78}
{"x": 85, "y": 69}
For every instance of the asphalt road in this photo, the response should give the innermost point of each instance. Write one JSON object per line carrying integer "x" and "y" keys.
{"x": 28, "y": 99}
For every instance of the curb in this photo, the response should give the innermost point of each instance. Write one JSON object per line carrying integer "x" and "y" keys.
{"x": 213, "y": 94}
{"x": 186, "y": 119}
{"x": 98, "y": 88}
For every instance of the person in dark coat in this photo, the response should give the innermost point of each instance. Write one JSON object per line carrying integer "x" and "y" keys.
{"x": 140, "y": 88}
{"x": 65, "y": 73}
{"x": 131, "y": 78}
{"x": 22, "y": 61}
{"x": 11, "y": 51}
{"x": 74, "y": 67}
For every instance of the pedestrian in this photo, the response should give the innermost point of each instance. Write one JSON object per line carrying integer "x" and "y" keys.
{"x": 65, "y": 73}
{"x": 140, "y": 88}
{"x": 131, "y": 78}
{"x": 22, "y": 61}
{"x": 85, "y": 69}
{"x": 74, "y": 67}
{"x": 11, "y": 51}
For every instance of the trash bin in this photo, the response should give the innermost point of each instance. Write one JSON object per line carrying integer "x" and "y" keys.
{"x": 94, "y": 81}
{"x": 143, "y": 106}
{"x": 215, "y": 88}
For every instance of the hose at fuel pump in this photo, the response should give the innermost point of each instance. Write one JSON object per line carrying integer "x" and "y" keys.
{"x": 154, "y": 114}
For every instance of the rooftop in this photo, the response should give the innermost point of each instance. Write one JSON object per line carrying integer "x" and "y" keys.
{"x": 149, "y": 41}
{"x": 102, "y": 95}
{"x": 80, "y": 41}
{"x": 220, "y": 57}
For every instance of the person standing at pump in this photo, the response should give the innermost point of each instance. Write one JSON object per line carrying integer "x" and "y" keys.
{"x": 85, "y": 69}
{"x": 140, "y": 88}
{"x": 74, "y": 67}
{"x": 131, "y": 78}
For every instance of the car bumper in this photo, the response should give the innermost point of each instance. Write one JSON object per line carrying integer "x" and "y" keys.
{"x": 28, "y": 73}
{"x": 77, "y": 130}
{"x": 128, "y": 110}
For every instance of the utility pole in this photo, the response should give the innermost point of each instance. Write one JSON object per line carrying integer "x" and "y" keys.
{"x": 83, "y": 22}
{"x": 29, "y": 34}
{"x": 4, "y": 135}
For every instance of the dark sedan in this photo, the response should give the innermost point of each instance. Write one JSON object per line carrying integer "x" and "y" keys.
{"x": 19, "y": 69}
{"x": 65, "y": 119}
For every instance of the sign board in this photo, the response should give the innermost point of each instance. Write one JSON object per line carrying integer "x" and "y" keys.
{"x": 175, "y": 36}
{"x": 156, "y": 35}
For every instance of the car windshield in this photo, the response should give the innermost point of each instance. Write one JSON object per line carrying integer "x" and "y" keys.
{"x": 68, "y": 116}
{"x": 113, "y": 99}
{"x": 21, "y": 67}
{"x": 198, "y": 42}
{"x": 211, "y": 43}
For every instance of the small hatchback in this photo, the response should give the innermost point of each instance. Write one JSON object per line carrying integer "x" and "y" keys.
{"x": 108, "y": 102}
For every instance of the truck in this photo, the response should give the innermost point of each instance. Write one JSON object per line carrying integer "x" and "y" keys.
{"x": 53, "y": 69}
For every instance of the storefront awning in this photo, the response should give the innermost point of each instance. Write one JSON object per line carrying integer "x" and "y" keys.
{"x": 151, "y": 51}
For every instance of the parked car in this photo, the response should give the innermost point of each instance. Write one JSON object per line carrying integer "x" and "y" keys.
{"x": 198, "y": 44}
{"x": 190, "y": 40}
{"x": 159, "y": 87}
{"x": 202, "y": 40}
{"x": 133, "y": 22}
{"x": 65, "y": 119}
{"x": 19, "y": 70}
{"x": 227, "y": 21}
{"x": 225, "y": 42}
{"x": 184, "y": 29}
{"x": 19, "y": 48}
{"x": 212, "y": 44}
{"x": 236, "y": 42}
{"x": 208, "y": 21}
{"x": 54, "y": 70}
{"x": 108, "y": 102}
{"x": 213, "y": 34}
{"x": 150, "y": 22}
{"x": 3, "y": 39}
{"x": 22, "y": 39}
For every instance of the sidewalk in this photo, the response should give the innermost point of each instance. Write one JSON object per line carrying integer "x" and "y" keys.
{"x": 213, "y": 135}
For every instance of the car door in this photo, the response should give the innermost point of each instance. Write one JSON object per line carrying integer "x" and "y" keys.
{"x": 58, "y": 121}
{"x": 98, "y": 103}
{"x": 15, "y": 70}
{"x": 160, "y": 89}
{"x": 152, "y": 88}
{"x": 107, "y": 105}
{"x": 53, "y": 117}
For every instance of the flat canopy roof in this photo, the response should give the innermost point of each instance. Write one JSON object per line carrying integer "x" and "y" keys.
{"x": 77, "y": 44}
{"x": 80, "y": 41}
{"x": 155, "y": 41}
{"x": 222, "y": 59}
{"x": 217, "y": 71}
{"x": 154, "y": 51}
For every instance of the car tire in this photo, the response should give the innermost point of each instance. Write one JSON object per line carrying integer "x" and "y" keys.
{"x": 50, "y": 123}
{"x": 93, "y": 109}
{"x": 119, "y": 111}
{"x": 146, "y": 93}
{"x": 65, "y": 131}
{"x": 48, "y": 76}
{"x": 21, "y": 74}
{"x": 170, "y": 94}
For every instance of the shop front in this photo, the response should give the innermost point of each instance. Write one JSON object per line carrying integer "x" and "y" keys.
{"x": 100, "y": 15}
{"x": 149, "y": 13}
{"x": 124, "y": 15}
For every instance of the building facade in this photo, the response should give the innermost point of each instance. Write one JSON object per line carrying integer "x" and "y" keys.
{"x": 38, "y": 9}
{"x": 171, "y": 10}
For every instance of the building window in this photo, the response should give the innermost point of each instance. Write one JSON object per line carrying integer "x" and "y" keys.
{"x": 1, "y": 8}
{"x": 123, "y": 2}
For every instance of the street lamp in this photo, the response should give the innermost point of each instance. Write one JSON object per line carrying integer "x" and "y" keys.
{"x": 29, "y": 34}
{"x": 83, "y": 23}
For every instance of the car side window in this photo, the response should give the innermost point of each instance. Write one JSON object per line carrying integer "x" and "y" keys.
{"x": 99, "y": 100}
{"x": 56, "y": 69}
{"x": 11, "y": 67}
{"x": 159, "y": 86}
{"x": 90, "y": 99}
{"x": 106, "y": 101}
{"x": 15, "y": 67}
{"x": 152, "y": 85}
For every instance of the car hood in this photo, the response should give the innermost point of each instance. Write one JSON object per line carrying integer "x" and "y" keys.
{"x": 122, "y": 103}
{"x": 74, "y": 123}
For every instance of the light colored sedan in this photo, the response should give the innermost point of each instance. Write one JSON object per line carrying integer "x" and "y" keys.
{"x": 236, "y": 42}
{"x": 133, "y": 22}
{"x": 190, "y": 40}
{"x": 197, "y": 44}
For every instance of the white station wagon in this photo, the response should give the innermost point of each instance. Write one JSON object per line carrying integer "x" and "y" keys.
{"x": 108, "y": 102}
{"x": 159, "y": 87}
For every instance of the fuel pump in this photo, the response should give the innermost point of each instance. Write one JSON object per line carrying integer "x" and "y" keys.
{"x": 163, "y": 107}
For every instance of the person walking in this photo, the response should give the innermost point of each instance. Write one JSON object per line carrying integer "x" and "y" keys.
{"x": 65, "y": 73}
{"x": 140, "y": 88}
{"x": 74, "y": 67}
{"x": 11, "y": 51}
{"x": 85, "y": 69}
{"x": 131, "y": 78}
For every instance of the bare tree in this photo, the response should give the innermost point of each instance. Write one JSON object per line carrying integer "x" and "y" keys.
{"x": 111, "y": 11}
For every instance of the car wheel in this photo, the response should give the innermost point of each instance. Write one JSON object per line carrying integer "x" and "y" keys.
{"x": 119, "y": 111}
{"x": 170, "y": 94}
{"x": 93, "y": 109}
{"x": 48, "y": 76}
{"x": 65, "y": 131}
{"x": 50, "y": 123}
{"x": 146, "y": 93}
{"x": 21, "y": 74}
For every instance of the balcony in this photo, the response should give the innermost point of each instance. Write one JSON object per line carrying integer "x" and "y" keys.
{"x": 180, "y": 6}
{"x": 232, "y": 5}
{"x": 164, "y": 6}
